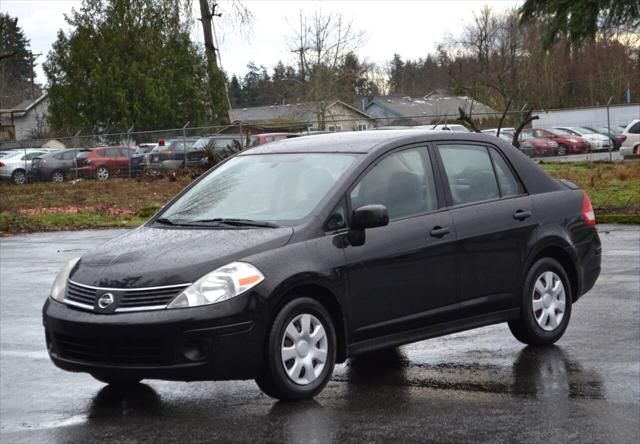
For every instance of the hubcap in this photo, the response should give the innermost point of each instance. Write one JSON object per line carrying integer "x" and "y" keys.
{"x": 103, "y": 174}
{"x": 549, "y": 301}
{"x": 58, "y": 177}
{"x": 304, "y": 349}
{"x": 19, "y": 177}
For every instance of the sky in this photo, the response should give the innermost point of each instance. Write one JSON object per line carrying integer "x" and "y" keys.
{"x": 410, "y": 28}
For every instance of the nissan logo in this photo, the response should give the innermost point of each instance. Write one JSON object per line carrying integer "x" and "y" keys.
{"x": 105, "y": 300}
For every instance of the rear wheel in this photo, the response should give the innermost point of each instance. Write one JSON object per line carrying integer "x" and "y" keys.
{"x": 102, "y": 173}
{"x": 57, "y": 176}
{"x": 562, "y": 150}
{"x": 546, "y": 304}
{"x": 300, "y": 351}
{"x": 19, "y": 177}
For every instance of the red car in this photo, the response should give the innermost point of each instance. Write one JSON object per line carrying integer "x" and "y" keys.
{"x": 104, "y": 162}
{"x": 567, "y": 142}
{"x": 259, "y": 139}
{"x": 538, "y": 146}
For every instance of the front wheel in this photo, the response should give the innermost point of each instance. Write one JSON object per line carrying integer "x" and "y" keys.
{"x": 57, "y": 176}
{"x": 562, "y": 150}
{"x": 300, "y": 351}
{"x": 546, "y": 304}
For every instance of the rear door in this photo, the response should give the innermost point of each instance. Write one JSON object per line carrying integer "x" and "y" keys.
{"x": 494, "y": 223}
{"x": 403, "y": 274}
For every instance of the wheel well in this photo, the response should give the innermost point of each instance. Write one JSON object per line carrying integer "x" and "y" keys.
{"x": 16, "y": 170}
{"x": 329, "y": 301}
{"x": 567, "y": 263}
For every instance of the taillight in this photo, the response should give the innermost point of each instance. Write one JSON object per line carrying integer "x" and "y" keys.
{"x": 622, "y": 138}
{"x": 587, "y": 210}
{"x": 1, "y": 164}
{"x": 161, "y": 142}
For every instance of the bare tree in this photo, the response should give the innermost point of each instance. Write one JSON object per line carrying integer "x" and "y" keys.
{"x": 321, "y": 44}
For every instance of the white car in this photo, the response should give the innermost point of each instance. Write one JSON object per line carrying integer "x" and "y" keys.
{"x": 597, "y": 141}
{"x": 631, "y": 146}
{"x": 16, "y": 164}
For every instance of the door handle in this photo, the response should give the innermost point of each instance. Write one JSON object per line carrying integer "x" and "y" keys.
{"x": 522, "y": 215}
{"x": 439, "y": 231}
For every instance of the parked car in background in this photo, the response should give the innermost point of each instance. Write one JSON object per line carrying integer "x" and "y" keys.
{"x": 15, "y": 165}
{"x": 506, "y": 134}
{"x": 631, "y": 145}
{"x": 596, "y": 141}
{"x": 568, "y": 143}
{"x": 55, "y": 166}
{"x": 221, "y": 145}
{"x": 615, "y": 135}
{"x": 170, "y": 154}
{"x": 539, "y": 146}
{"x": 105, "y": 162}
{"x": 140, "y": 156}
{"x": 261, "y": 139}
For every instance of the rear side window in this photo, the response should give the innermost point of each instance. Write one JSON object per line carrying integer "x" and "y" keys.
{"x": 68, "y": 155}
{"x": 112, "y": 152}
{"x": 402, "y": 181}
{"x": 506, "y": 180}
{"x": 469, "y": 173}
{"x": 635, "y": 129}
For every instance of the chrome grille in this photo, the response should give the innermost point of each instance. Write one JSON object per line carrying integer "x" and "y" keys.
{"x": 129, "y": 299}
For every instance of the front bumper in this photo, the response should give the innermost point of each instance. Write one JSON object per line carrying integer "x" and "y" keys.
{"x": 204, "y": 343}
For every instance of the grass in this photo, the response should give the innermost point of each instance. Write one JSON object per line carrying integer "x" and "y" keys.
{"x": 614, "y": 190}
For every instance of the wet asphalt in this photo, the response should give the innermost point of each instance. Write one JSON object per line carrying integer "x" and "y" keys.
{"x": 477, "y": 386}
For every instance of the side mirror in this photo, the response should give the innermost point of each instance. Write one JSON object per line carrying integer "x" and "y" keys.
{"x": 369, "y": 216}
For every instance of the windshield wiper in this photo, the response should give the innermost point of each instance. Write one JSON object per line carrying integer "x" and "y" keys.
{"x": 165, "y": 221}
{"x": 233, "y": 222}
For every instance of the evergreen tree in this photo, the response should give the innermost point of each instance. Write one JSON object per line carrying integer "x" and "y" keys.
{"x": 16, "y": 64}
{"x": 124, "y": 63}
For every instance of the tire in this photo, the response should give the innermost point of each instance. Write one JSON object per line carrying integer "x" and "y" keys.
{"x": 102, "y": 173}
{"x": 57, "y": 176}
{"x": 533, "y": 327}
{"x": 562, "y": 150}
{"x": 116, "y": 380}
{"x": 291, "y": 330}
{"x": 19, "y": 177}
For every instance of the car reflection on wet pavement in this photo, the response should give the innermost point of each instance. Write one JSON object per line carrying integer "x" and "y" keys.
{"x": 475, "y": 386}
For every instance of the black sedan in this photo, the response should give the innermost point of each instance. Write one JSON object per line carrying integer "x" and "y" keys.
{"x": 292, "y": 256}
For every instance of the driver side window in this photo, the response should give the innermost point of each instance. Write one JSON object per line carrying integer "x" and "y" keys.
{"x": 403, "y": 182}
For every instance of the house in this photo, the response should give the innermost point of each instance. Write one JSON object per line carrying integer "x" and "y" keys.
{"x": 27, "y": 120}
{"x": 438, "y": 106}
{"x": 308, "y": 116}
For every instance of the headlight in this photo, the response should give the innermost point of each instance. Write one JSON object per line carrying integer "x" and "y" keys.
{"x": 220, "y": 285}
{"x": 60, "y": 284}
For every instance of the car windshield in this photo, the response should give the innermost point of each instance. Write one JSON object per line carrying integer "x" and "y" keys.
{"x": 584, "y": 130}
{"x": 279, "y": 188}
{"x": 560, "y": 132}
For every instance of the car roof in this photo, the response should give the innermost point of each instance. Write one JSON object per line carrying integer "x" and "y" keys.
{"x": 362, "y": 141}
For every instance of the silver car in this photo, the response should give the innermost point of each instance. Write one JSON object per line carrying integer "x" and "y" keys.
{"x": 15, "y": 165}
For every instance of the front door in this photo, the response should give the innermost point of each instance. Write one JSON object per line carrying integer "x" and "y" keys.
{"x": 403, "y": 274}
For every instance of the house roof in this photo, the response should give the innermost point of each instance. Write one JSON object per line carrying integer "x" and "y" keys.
{"x": 24, "y": 107}
{"x": 293, "y": 112}
{"x": 434, "y": 104}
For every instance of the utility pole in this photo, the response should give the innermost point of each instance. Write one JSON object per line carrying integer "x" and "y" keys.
{"x": 217, "y": 90}
{"x": 33, "y": 87}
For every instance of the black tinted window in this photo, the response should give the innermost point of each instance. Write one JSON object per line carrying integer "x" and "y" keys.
{"x": 635, "y": 129}
{"x": 469, "y": 173}
{"x": 506, "y": 180}
{"x": 402, "y": 181}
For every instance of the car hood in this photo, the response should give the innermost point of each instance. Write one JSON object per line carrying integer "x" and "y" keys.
{"x": 150, "y": 257}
